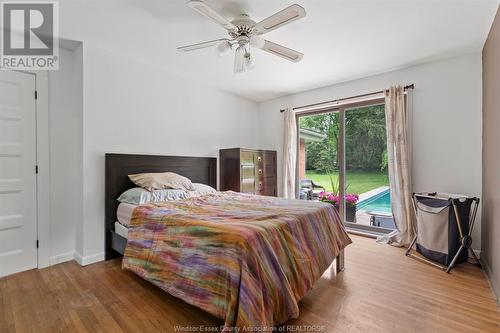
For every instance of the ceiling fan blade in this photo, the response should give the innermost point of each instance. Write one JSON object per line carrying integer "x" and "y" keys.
{"x": 204, "y": 9}
{"x": 282, "y": 51}
{"x": 287, "y": 15}
{"x": 202, "y": 45}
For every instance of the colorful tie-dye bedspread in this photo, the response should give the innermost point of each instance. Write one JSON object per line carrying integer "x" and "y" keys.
{"x": 247, "y": 259}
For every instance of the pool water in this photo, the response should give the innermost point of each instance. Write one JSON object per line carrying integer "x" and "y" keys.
{"x": 378, "y": 203}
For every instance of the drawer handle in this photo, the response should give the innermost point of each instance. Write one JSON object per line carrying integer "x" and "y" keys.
{"x": 260, "y": 171}
{"x": 259, "y": 158}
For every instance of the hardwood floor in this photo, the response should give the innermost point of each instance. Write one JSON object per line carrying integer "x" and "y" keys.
{"x": 380, "y": 291}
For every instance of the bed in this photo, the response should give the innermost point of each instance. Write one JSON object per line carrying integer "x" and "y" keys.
{"x": 246, "y": 259}
{"x": 119, "y": 166}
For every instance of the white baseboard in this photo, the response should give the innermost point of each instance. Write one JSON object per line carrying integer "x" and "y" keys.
{"x": 87, "y": 260}
{"x": 84, "y": 261}
{"x": 78, "y": 258}
{"x": 60, "y": 258}
{"x": 489, "y": 275}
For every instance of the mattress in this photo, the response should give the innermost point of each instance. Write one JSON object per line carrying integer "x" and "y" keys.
{"x": 121, "y": 230}
{"x": 124, "y": 213}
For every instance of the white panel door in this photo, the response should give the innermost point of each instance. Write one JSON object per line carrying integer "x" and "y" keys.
{"x": 18, "y": 223}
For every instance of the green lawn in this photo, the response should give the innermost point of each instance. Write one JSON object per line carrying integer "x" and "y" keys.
{"x": 358, "y": 182}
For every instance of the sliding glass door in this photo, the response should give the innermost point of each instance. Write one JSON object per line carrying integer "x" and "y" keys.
{"x": 342, "y": 159}
{"x": 367, "y": 197}
{"x": 318, "y": 150}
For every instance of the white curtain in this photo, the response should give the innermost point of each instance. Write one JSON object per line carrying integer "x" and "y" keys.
{"x": 289, "y": 154}
{"x": 397, "y": 113}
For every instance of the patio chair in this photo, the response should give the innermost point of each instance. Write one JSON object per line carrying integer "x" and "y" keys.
{"x": 382, "y": 220}
{"x": 314, "y": 189}
{"x": 305, "y": 194}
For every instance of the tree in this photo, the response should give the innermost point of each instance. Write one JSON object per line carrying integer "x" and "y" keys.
{"x": 322, "y": 155}
{"x": 365, "y": 140}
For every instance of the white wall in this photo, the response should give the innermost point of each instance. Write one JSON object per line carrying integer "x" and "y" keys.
{"x": 446, "y": 122}
{"x": 65, "y": 142}
{"x": 132, "y": 103}
{"x": 132, "y": 107}
{"x": 102, "y": 101}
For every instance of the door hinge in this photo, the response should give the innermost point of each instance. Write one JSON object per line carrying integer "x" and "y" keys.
{"x": 36, "y": 169}
{"x": 37, "y": 243}
{"x": 36, "y": 94}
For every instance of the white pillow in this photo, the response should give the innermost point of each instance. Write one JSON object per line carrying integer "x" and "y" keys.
{"x": 161, "y": 180}
{"x": 201, "y": 189}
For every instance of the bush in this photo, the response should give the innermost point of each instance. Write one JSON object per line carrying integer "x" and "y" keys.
{"x": 385, "y": 163}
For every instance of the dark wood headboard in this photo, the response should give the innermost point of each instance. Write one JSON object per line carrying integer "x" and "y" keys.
{"x": 119, "y": 166}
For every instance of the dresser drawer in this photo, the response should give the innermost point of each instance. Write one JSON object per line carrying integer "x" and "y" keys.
{"x": 266, "y": 186}
{"x": 269, "y": 192}
{"x": 270, "y": 181}
{"x": 247, "y": 157}
{"x": 259, "y": 172}
{"x": 269, "y": 170}
{"x": 259, "y": 185}
{"x": 247, "y": 171}
{"x": 248, "y": 185}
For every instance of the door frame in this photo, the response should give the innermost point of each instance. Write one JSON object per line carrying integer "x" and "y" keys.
{"x": 43, "y": 163}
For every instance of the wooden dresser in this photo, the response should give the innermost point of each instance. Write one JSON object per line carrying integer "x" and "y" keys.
{"x": 248, "y": 171}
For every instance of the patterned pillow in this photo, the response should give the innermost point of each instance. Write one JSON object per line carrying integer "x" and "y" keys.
{"x": 140, "y": 196}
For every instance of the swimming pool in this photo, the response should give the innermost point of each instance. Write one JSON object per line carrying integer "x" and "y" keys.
{"x": 380, "y": 203}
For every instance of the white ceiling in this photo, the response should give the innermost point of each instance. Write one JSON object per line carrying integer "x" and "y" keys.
{"x": 341, "y": 40}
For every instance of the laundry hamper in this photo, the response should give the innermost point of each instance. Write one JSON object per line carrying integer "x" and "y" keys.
{"x": 444, "y": 228}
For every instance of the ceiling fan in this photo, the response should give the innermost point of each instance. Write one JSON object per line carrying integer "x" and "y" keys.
{"x": 245, "y": 33}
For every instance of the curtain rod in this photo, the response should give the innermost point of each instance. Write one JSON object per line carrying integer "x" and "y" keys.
{"x": 410, "y": 86}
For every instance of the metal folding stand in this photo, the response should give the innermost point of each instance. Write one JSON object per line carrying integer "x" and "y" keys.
{"x": 465, "y": 239}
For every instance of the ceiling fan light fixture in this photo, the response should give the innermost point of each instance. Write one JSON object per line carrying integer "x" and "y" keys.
{"x": 249, "y": 63}
{"x": 223, "y": 48}
{"x": 257, "y": 41}
{"x": 239, "y": 60}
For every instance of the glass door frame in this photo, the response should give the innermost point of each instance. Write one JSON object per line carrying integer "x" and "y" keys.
{"x": 341, "y": 110}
